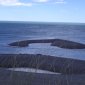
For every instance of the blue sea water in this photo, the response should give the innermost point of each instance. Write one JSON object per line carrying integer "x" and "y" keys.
{"x": 15, "y": 31}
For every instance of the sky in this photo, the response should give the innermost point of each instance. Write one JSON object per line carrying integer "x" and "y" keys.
{"x": 43, "y": 10}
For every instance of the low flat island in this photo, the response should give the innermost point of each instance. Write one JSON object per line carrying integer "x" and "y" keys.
{"x": 54, "y": 42}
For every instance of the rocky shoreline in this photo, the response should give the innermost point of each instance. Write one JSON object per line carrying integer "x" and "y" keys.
{"x": 44, "y": 62}
{"x": 72, "y": 71}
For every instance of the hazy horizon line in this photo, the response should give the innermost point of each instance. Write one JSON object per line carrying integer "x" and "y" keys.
{"x": 12, "y": 21}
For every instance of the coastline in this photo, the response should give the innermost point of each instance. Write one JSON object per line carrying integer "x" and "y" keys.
{"x": 71, "y": 70}
{"x": 43, "y": 62}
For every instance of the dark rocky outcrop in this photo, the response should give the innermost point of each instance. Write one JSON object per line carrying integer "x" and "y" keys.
{"x": 54, "y": 42}
{"x": 68, "y": 44}
{"x": 27, "y": 42}
{"x": 50, "y": 63}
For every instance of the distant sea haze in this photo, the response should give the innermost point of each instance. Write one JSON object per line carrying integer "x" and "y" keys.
{"x": 17, "y": 31}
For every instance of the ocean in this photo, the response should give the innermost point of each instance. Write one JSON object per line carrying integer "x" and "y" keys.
{"x": 16, "y": 31}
